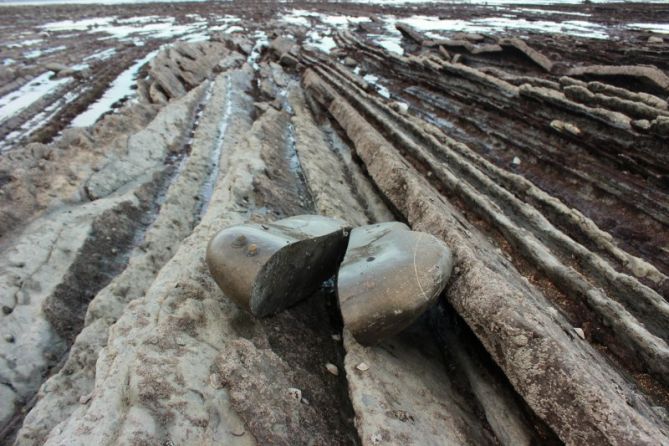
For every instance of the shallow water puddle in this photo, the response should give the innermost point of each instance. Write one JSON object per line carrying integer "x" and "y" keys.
{"x": 18, "y": 100}
{"x": 549, "y": 12}
{"x": 321, "y": 26}
{"x": 423, "y": 23}
{"x": 119, "y": 89}
{"x": 321, "y": 40}
{"x": 102, "y": 55}
{"x": 662, "y": 28}
{"x": 37, "y": 53}
{"x": 261, "y": 41}
{"x": 374, "y": 80}
{"x": 207, "y": 188}
{"x": 37, "y": 122}
{"x": 151, "y": 27}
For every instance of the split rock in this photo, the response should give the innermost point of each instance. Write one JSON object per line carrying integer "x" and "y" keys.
{"x": 389, "y": 277}
{"x": 266, "y": 268}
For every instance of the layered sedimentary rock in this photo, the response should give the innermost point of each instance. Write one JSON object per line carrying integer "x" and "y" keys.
{"x": 548, "y": 182}
{"x": 395, "y": 173}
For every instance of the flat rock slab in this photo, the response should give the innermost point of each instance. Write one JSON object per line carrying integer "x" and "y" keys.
{"x": 389, "y": 277}
{"x": 266, "y": 268}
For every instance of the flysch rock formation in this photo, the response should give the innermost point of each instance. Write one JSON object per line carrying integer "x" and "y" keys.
{"x": 538, "y": 163}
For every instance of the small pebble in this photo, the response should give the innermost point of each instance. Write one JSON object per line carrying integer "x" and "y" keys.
{"x": 215, "y": 381}
{"x": 305, "y": 401}
{"x": 336, "y": 337}
{"x": 10, "y": 338}
{"x": 363, "y": 367}
{"x": 401, "y": 107}
{"x": 252, "y": 249}
{"x": 7, "y": 310}
{"x": 642, "y": 124}
{"x": 332, "y": 368}
{"x": 580, "y": 332}
{"x": 84, "y": 399}
{"x": 295, "y": 393}
{"x": 515, "y": 161}
{"x": 239, "y": 242}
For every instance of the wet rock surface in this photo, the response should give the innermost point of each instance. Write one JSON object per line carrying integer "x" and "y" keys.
{"x": 389, "y": 277}
{"x": 529, "y": 140}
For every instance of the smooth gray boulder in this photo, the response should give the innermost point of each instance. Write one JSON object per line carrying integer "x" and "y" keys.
{"x": 389, "y": 277}
{"x": 266, "y": 268}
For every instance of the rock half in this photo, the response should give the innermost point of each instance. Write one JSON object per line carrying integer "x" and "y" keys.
{"x": 266, "y": 268}
{"x": 389, "y": 277}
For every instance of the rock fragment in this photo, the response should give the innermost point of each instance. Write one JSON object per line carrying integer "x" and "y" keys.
{"x": 350, "y": 62}
{"x": 410, "y": 33}
{"x": 56, "y": 67}
{"x": 648, "y": 99}
{"x": 295, "y": 394}
{"x": 179, "y": 68}
{"x": 474, "y": 37}
{"x": 282, "y": 46}
{"x": 266, "y": 268}
{"x": 534, "y": 55}
{"x": 660, "y": 126}
{"x": 332, "y": 369}
{"x": 562, "y": 126}
{"x": 363, "y": 367}
{"x": 389, "y": 276}
{"x": 647, "y": 74}
{"x": 401, "y": 107}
